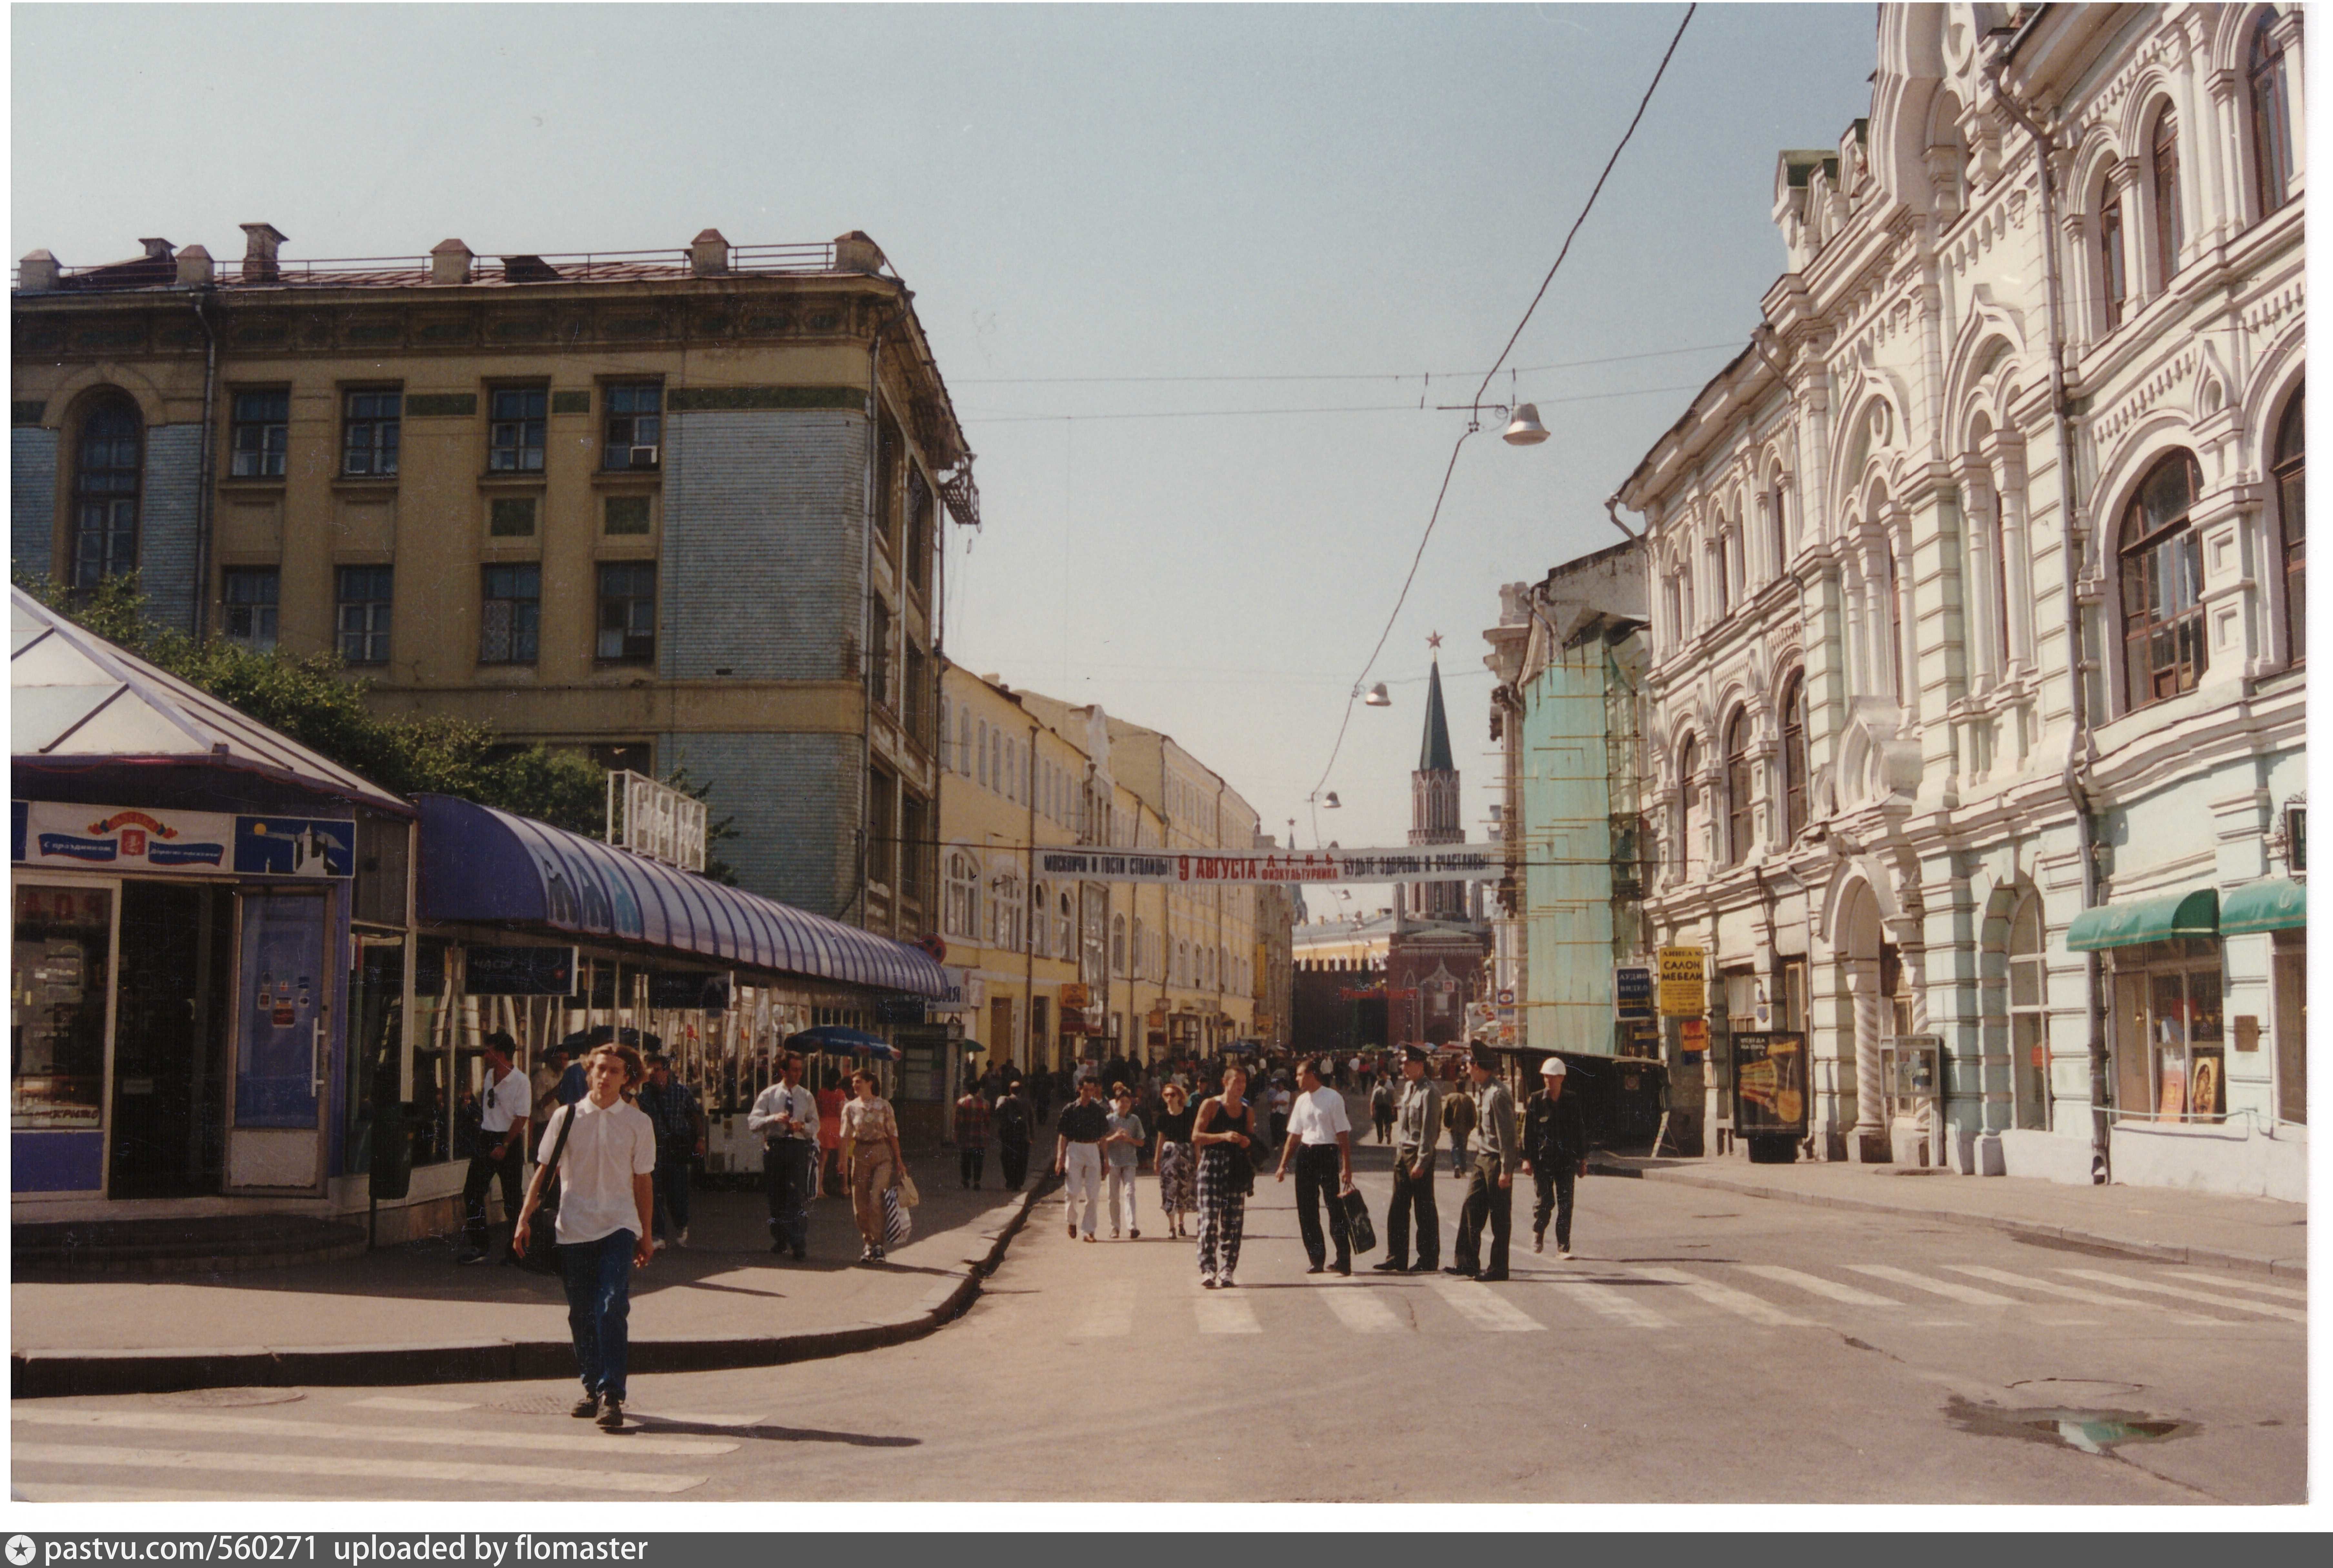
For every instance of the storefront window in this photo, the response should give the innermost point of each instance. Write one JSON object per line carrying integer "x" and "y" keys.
{"x": 62, "y": 976}
{"x": 433, "y": 1016}
{"x": 2290, "y": 970}
{"x": 2172, "y": 1063}
{"x": 376, "y": 1018}
{"x": 2029, "y": 1034}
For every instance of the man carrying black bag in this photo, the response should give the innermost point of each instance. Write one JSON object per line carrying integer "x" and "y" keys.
{"x": 1320, "y": 1137}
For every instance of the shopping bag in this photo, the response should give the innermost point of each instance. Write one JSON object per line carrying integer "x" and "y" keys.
{"x": 896, "y": 1225}
{"x": 1357, "y": 1225}
{"x": 907, "y": 1193}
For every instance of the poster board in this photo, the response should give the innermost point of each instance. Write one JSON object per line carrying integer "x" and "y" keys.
{"x": 1770, "y": 1084}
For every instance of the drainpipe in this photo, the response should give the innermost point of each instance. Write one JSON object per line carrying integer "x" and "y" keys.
{"x": 2079, "y": 739}
{"x": 203, "y": 472}
{"x": 1612, "y": 510}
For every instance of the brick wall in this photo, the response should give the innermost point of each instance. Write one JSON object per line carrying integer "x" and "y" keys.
{"x": 31, "y": 498}
{"x": 165, "y": 523}
{"x": 796, "y": 799}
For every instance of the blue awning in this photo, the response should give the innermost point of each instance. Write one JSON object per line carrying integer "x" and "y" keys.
{"x": 480, "y": 865}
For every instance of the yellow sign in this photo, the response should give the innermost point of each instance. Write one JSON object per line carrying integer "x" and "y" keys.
{"x": 1685, "y": 992}
{"x": 1074, "y": 995}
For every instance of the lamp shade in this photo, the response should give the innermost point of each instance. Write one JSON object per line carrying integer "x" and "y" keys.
{"x": 1332, "y": 803}
{"x": 1378, "y": 697}
{"x": 1525, "y": 430}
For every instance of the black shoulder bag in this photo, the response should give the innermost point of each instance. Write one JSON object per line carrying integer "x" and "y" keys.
{"x": 542, "y": 1257}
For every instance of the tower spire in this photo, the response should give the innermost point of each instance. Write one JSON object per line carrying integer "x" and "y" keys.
{"x": 1434, "y": 752}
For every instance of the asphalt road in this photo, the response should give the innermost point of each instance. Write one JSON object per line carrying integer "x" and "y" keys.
{"x": 1699, "y": 1348}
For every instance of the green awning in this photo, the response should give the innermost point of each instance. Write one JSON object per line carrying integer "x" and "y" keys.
{"x": 2276, "y": 905}
{"x": 2135, "y": 920}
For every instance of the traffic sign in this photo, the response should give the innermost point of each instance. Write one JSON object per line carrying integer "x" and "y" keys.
{"x": 1685, "y": 991}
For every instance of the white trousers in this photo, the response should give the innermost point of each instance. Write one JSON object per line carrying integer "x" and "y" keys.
{"x": 1118, "y": 1188}
{"x": 1081, "y": 1183}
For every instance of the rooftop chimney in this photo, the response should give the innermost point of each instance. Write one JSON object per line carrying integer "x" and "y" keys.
{"x": 157, "y": 249}
{"x": 855, "y": 252}
{"x": 708, "y": 255}
{"x": 259, "y": 242}
{"x": 194, "y": 266}
{"x": 449, "y": 262}
{"x": 37, "y": 273}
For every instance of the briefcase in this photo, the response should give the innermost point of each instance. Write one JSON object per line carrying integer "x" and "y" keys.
{"x": 1358, "y": 1225}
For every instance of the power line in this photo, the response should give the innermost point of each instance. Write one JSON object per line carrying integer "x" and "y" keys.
{"x": 1436, "y": 516}
{"x": 1333, "y": 376}
{"x": 1334, "y": 409}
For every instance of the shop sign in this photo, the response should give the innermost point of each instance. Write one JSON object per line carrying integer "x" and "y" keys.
{"x": 49, "y": 833}
{"x": 521, "y": 971}
{"x": 1770, "y": 1084}
{"x": 1693, "y": 1035}
{"x": 1684, "y": 990}
{"x": 1632, "y": 991}
{"x": 1076, "y": 995}
{"x": 965, "y": 993}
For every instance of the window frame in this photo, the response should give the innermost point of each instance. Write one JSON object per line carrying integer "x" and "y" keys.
{"x": 2289, "y": 471}
{"x": 257, "y": 611}
{"x": 2170, "y": 222}
{"x": 268, "y": 452}
{"x": 525, "y": 627}
{"x": 2140, "y": 561}
{"x": 633, "y": 646}
{"x": 2026, "y": 982}
{"x": 1795, "y": 782}
{"x": 371, "y": 638}
{"x": 384, "y": 428}
{"x": 2114, "y": 270}
{"x": 527, "y": 419}
{"x": 111, "y": 494}
{"x": 2268, "y": 110}
{"x": 1741, "y": 827}
{"x": 632, "y": 420}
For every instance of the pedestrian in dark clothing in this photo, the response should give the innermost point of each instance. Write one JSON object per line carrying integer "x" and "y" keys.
{"x": 1381, "y": 1112}
{"x": 1555, "y": 1152}
{"x": 673, "y": 1110}
{"x": 1418, "y": 1118}
{"x": 1041, "y": 1096}
{"x": 1490, "y": 1188}
{"x": 1015, "y": 1132}
{"x": 972, "y": 1136}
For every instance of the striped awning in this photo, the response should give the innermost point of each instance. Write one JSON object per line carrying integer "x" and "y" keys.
{"x": 484, "y": 866}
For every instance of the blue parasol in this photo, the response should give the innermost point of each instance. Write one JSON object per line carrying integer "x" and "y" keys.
{"x": 834, "y": 1040}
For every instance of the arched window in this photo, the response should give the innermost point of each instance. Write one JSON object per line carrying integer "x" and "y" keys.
{"x": 1040, "y": 929}
{"x": 2114, "y": 281}
{"x": 1794, "y": 756}
{"x": 2170, "y": 228}
{"x": 1182, "y": 962}
{"x": 2162, "y": 564}
{"x": 106, "y": 473}
{"x": 1118, "y": 944}
{"x": 1717, "y": 584}
{"x": 1688, "y": 802}
{"x": 2271, "y": 119}
{"x": 1785, "y": 543}
{"x": 1737, "y": 787}
{"x": 961, "y": 914}
{"x": 2029, "y": 1034}
{"x": 2292, "y": 519}
{"x": 1672, "y": 611}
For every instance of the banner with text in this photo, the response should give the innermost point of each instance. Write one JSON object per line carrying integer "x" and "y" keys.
{"x": 1414, "y": 863}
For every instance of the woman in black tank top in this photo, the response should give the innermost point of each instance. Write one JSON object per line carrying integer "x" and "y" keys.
{"x": 1224, "y": 1132}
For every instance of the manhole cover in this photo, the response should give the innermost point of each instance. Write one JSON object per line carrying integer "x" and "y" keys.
{"x": 545, "y": 1404}
{"x": 215, "y": 1398}
{"x": 2075, "y": 1391}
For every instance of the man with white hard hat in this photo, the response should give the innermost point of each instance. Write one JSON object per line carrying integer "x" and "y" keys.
{"x": 1555, "y": 1152}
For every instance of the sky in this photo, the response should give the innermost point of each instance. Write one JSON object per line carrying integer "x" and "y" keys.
{"x": 1198, "y": 277}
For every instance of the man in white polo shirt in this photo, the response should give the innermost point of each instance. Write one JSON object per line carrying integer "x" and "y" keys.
{"x": 1320, "y": 1137}
{"x": 607, "y": 1202}
{"x": 499, "y": 1152}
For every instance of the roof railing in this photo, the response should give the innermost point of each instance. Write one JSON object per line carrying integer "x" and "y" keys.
{"x": 571, "y": 266}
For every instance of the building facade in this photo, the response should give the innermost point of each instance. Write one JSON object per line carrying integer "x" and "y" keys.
{"x": 680, "y": 509}
{"x": 1437, "y": 955}
{"x": 1974, "y": 717}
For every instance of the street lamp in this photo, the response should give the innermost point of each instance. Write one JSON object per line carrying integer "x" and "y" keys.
{"x": 1525, "y": 430}
{"x": 1378, "y": 697}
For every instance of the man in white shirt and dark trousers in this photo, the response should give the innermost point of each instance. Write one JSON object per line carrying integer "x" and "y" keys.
{"x": 501, "y": 1149}
{"x": 786, "y": 1116}
{"x": 1320, "y": 1137}
{"x": 607, "y": 1204}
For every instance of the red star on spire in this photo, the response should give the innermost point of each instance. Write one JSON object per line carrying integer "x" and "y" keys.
{"x": 1434, "y": 639}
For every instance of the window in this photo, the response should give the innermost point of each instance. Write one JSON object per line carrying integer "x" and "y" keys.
{"x": 511, "y": 614}
{"x": 2170, "y": 229}
{"x": 887, "y": 486}
{"x": 2114, "y": 283}
{"x": 624, "y": 756}
{"x": 2271, "y": 123}
{"x": 1778, "y": 514}
{"x": 2029, "y": 1030}
{"x": 1688, "y": 802}
{"x": 1998, "y": 523}
{"x": 1007, "y": 914}
{"x": 919, "y": 532}
{"x": 514, "y": 429}
{"x": 635, "y": 426}
{"x": 106, "y": 475}
{"x": 961, "y": 914}
{"x": 1794, "y": 757}
{"x": 258, "y": 432}
{"x": 1894, "y": 630}
{"x": 362, "y": 619}
{"x": 984, "y": 755}
{"x": 2170, "y": 1052}
{"x": 627, "y": 592}
{"x": 511, "y": 517}
{"x": 2292, "y": 521}
{"x": 1118, "y": 944}
{"x": 368, "y": 433}
{"x": 1717, "y": 579}
{"x": 882, "y": 827}
{"x": 2162, "y": 562}
{"x": 626, "y": 514}
{"x": 963, "y": 741}
{"x": 915, "y": 846}
{"x": 1040, "y": 931}
{"x": 64, "y": 980}
{"x": 879, "y": 656}
{"x": 918, "y": 700}
{"x": 1737, "y": 788}
{"x": 1673, "y": 610}
{"x": 250, "y": 592}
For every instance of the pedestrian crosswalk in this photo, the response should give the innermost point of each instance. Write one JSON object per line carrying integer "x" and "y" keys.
{"x": 1590, "y": 1296}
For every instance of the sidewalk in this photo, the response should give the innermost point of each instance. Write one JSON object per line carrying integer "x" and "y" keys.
{"x": 2260, "y": 1235}
{"x": 408, "y": 1314}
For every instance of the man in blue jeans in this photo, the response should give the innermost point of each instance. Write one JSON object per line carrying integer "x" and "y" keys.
{"x": 607, "y": 1200}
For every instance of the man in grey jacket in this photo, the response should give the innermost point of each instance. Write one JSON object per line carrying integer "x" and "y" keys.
{"x": 1417, "y": 1124}
{"x": 1490, "y": 1190}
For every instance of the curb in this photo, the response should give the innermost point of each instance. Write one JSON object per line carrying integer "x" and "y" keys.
{"x": 49, "y": 1374}
{"x": 2153, "y": 1252}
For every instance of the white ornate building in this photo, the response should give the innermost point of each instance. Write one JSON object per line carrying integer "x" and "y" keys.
{"x": 1923, "y": 760}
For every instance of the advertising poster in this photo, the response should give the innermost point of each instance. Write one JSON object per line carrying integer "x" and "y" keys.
{"x": 1770, "y": 1084}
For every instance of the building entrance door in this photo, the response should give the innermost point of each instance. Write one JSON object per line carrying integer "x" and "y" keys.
{"x": 167, "y": 1120}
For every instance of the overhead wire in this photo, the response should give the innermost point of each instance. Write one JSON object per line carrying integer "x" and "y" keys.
{"x": 1332, "y": 409}
{"x": 1472, "y": 426}
{"x": 1339, "y": 375}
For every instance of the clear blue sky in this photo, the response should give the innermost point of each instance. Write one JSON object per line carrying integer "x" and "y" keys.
{"x": 1090, "y": 191}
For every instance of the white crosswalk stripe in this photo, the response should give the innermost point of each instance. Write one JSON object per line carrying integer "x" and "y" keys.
{"x": 1362, "y": 1311}
{"x": 1621, "y": 1307}
{"x": 448, "y": 1436}
{"x": 1815, "y": 1285}
{"x": 81, "y": 1492}
{"x": 1943, "y": 1287}
{"x": 1224, "y": 1313}
{"x": 371, "y": 1468}
{"x": 1483, "y": 1307}
{"x": 1757, "y": 1308}
{"x": 2265, "y": 1309}
{"x": 2072, "y": 1292}
{"x": 1110, "y": 1315}
{"x": 2197, "y": 1276}
{"x": 421, "y": 1407}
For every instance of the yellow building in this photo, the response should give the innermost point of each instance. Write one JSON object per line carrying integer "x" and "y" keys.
{"x": 678, "y": 508}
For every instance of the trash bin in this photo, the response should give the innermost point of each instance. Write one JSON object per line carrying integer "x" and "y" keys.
{"x": 393, "y": 1150}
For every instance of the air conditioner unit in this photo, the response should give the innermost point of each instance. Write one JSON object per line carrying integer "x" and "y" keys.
{"x": 643, "y": 457}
